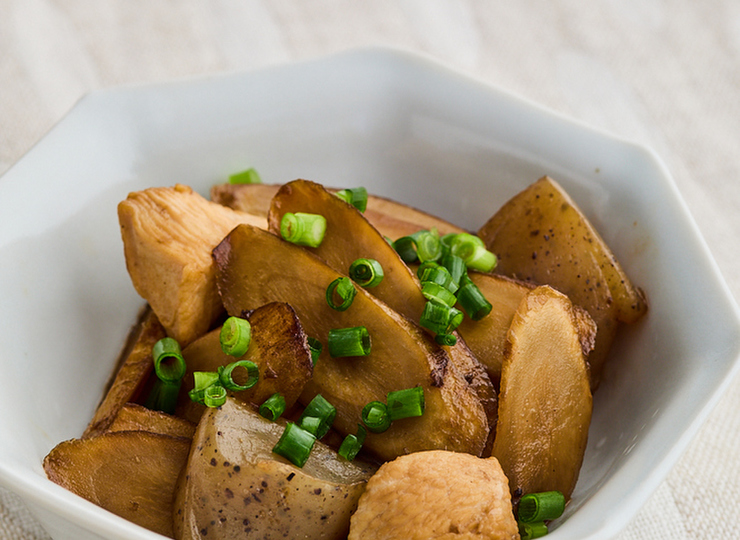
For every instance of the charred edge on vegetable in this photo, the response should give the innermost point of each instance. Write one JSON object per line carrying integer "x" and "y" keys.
{"x": 439, "y": 371}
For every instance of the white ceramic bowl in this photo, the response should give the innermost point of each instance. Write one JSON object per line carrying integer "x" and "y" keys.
{"x": 403, "y": 127}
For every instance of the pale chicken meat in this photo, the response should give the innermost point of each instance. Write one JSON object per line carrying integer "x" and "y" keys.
{"x": 168, "y": 235}
{"x": 436, "y": 495}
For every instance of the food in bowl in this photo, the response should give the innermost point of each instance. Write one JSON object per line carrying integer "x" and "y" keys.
{"x": 197, "y": 261}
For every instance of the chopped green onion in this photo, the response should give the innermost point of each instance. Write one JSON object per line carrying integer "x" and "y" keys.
{"x": 353, "y": 341}
{"x": 315, "y": 346}
{"x": 529, "y": 531}
{"x": 225, "y": 374}
{"x": 367, "y": 273}
{"x": 423, "y": 266}
{"x": 375, "y": 417}
{"x": 303, "y": 229}
{"x": 473, "y": 302}
{"x": 235, "y": 336}
{"x": 273, "y": 407}
{"x": 440, "y": 275}
{"x": 447, "y": 239}
{"x": 169, "y": 365}
{"x": 170, "y": 368}
{"x": 341, "y": 287}
{"x": 434, "y": 292}
{"x": 448, "y": 340}
{"x": 405, "y": 403}
{"x": 455, "y": 266}
{"x": 295, "y": 444}
{"x": 428, "y": 246}
{"x": 440, "y": 318}
{"x": 472, "y": 250}
{"x": 214, "y": 396}
{"x": 357, "y": 197}
{"x": 202, "y": 380}
{"x": 352, "y": 444}
{"x": 310, "y": 424}
{"x": 544, "y": 506}
{"x": 249, "y": 176}
{"x": 459, "y": 239}
{"x": 406, "y": 249}
{"x": 321, "y": 410}
{"x": 390, "y": 241}
{"x": 163, "y": 396}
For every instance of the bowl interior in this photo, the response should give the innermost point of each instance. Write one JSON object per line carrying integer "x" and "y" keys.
{"x": 404, "y": 128}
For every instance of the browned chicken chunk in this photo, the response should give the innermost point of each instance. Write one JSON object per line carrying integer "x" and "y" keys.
{"x": 168, "y": 235}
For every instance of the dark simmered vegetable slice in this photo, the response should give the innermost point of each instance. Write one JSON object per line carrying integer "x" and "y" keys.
{"x": 229, "y": 486}
{"x": 454, "y": 417}
{"x": 542, "y": 237}
{"x": 130, "y": 473}
{"x": 131, "y": 376}
{"x": 350, "y": 236}
{"x": 545, "y": 400}
{"x": 278, "y": 347}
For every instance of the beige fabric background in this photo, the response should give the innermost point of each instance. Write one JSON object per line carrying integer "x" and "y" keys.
{"x": 669, "y": 69}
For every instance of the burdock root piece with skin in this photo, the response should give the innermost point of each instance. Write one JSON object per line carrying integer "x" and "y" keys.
{"x": 129, "y": 473}
{"x": 168, "y": 235}
{"x": 542, "y": 237}
{"x": 545, "y": 402}
{"x": 235, "y": 486}
{"x": 256, "y": 267}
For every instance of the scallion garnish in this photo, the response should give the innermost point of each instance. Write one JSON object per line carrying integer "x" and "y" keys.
{"x": 321, "y": 410}
{"x": 226, "y": 375}
{"x": 529, "y": 531}
{"x": 273, "y": 407}
{"x": 235, "y": 336}
{"x": 423, "y": 266}
{"x": 472, "y": 250}
{"x": 170, "y": 368}
{"x": 406, "y": 249}
{"x": 353, "y": 341}
{"x": 315, "y": 346}
{"x": 375, "y": 416}
{"x": 169, "y": 365}
{"x": 303, "y": 229}
{"x": 367, "y": 273}
{"x": 544, "y": 506}
{"x": 455, "y": 266}
{"x": 357, "y": 197}
{"x": 440, "y": 275}
{"x": 434, "y": 292}
{"x": 473, "y": 302}
{"x": 428, "y": 245}
{"x": 405, "y": 403}
{"x": 448, "y": 340}
{"x": 352, "y": 444}
{"x": 249, "y": 176}
{"x": 163, "y": 396}
{"x": 295, "y": 444}
{"x": 201, "y": 381}
{"x": 440, "y": 318}
{"x": 214, "y": 396}
{"x": 342, "y": 288}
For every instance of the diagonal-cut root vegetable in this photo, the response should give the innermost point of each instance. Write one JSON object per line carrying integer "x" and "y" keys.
{"x": 278, "y": 347}
{"x": 545, "y": 401}
{"x": 542, "y": 237}
{"x": 256, "y": 267}
{"x": 350, "y": 236}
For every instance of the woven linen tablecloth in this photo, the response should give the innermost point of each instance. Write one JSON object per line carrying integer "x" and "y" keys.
{"x": 669, "y": 70}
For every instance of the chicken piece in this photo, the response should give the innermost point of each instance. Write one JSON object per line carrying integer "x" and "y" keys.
{"x": 168, "y": 235}
{"x": 436, "y": 495}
